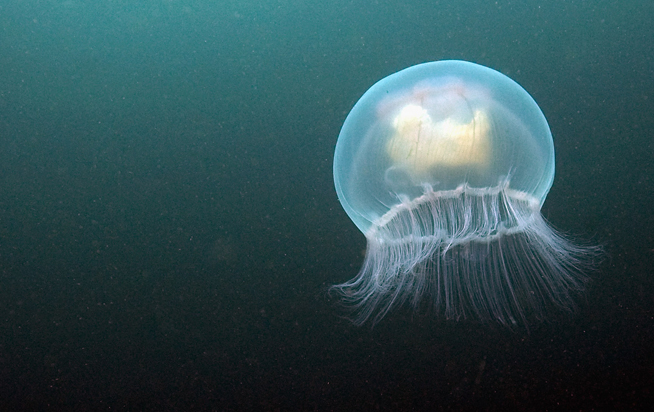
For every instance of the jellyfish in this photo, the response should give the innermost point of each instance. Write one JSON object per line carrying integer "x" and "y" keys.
{"x": 444, "y": 167}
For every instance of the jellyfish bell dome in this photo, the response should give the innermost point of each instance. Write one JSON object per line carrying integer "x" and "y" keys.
{"x": 444, "y": 167}
{"x": 444, "y": 124}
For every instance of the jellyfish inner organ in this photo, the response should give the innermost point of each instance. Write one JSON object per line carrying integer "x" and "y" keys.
{"x": 436, "y": 125}
{"x": 422, "y": 143}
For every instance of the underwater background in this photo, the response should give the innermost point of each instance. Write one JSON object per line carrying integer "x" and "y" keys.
{"x": 169, "y": 226}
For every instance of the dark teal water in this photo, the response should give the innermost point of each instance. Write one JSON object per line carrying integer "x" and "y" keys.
{"x": 169, "y": 226}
